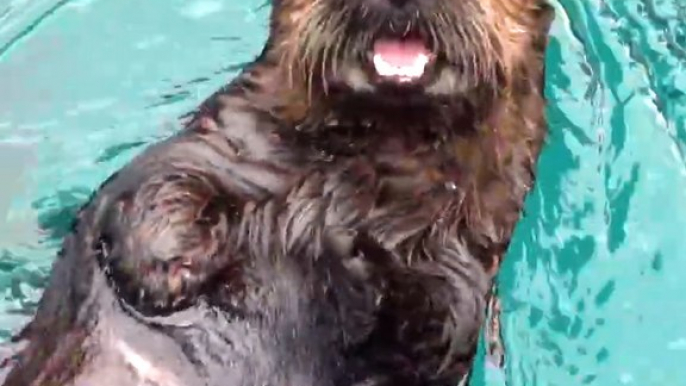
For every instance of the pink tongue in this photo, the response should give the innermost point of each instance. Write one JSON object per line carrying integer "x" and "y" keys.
{"x": 400, "y": 53}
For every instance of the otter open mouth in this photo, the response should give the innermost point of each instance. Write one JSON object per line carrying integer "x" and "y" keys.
{"x": 401, "y": 60}
{"x": 403, "y": 53}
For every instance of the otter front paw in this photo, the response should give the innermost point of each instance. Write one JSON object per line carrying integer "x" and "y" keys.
{"x": 360, "y": 253}
{"x": 159, "y": 245}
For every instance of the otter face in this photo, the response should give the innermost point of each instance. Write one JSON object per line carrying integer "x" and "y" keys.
{"x": 431, "y": 47}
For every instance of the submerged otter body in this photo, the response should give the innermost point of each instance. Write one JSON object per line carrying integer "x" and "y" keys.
{"x": 335, "y": 216}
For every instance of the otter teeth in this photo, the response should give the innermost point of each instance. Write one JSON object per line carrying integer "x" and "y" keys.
{"x": 405, "y": 72}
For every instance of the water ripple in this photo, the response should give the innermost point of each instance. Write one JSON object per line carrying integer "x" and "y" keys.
{"x": 40, "y": 11}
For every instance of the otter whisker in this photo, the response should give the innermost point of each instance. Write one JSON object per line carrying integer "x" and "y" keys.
{"x": 347, "y": 51}
{"x": 408, "y": 28}
{"x": 312, "y": 53}
{"x": 485, "y": 66}
{"x": 337, "y": 45}
{"x": 325, "y": 54}
{"x": 432, "y": 32}
{"x": 338, "y": 39}
{"x": 443, "y": 27}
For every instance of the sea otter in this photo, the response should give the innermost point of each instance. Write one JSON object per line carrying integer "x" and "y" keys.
{"x": 334, "y": 216}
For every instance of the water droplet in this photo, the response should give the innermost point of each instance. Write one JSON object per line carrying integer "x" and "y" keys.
{"x": 626, "y": 378}
{"x": 679, "y": 344}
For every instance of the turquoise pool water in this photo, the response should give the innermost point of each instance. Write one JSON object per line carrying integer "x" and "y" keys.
{"x": 594, "y": 289}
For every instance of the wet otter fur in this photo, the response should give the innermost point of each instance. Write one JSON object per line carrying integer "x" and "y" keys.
{"x": 315, "y": 222}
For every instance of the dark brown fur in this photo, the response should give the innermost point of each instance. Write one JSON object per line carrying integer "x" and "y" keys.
{"x": 306, "y": 227}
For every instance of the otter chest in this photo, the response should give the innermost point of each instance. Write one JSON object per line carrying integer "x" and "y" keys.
{"x": 394, "y": 194}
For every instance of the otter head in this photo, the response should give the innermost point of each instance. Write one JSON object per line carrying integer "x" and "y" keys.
{"x": 397, "y": 48}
